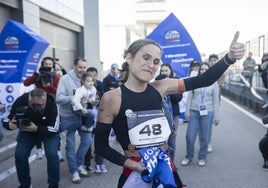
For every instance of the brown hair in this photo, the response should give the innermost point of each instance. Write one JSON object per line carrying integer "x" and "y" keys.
{"x": 84, "y": 77}
{"x": 132, "y": 50}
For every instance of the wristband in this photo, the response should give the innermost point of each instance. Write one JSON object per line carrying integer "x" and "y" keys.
{"x": 181, "y": 86}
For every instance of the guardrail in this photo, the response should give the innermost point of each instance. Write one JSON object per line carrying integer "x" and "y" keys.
{"x": 255, "y": 98}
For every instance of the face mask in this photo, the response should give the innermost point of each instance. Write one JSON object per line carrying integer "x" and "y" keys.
{"x": 194, "y": 73}
{"x": 38, "y": 108}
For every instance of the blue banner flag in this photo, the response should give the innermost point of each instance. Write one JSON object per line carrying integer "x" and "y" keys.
{"x": 20, "y": 52}
{"x": 178, "y": 47}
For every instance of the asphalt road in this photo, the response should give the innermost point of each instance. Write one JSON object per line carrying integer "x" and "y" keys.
{"x": 234, "y": 162}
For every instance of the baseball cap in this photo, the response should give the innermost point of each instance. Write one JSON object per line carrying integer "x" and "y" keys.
{"x": 114, "y": 66}
{"x": 194, "y": 63}
{"x": 213, "y": 56}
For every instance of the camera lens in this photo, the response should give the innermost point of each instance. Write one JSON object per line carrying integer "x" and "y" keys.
{"x": 265, "y": 119}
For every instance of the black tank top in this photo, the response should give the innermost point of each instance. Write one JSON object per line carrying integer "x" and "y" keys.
{"x": 150, "y": 99}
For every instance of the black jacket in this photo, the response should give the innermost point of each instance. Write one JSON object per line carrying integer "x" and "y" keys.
{"x": 47, "y": 123}
{"x": 175, "y": 99}
{"x": 99, "y": 87}
{"x": 110, "y": 82}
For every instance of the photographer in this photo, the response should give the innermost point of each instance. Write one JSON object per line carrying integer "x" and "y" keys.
{"x": 2, "y": 110}
{"x": 263, "y": 146}
{"x": 36, "y": 115}
{"x": 45, "y": 78}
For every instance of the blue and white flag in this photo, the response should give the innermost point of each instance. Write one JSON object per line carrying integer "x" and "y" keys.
{"x": 20, "y": 52}
{"x": 158, "y": 166}
{"x": 178, "y": 47}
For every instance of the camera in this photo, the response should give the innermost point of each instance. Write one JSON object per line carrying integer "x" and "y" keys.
{"x": 265, "y": 119}
{"x": 22, "y": 116}
{"x": 45, "y": 73}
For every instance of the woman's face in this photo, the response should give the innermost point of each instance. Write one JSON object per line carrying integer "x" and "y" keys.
{"x": 203, "y": 68}
{"x": 58, "y": 71}
{"x": 165, "y": 71}
{"x": 145, "y": 63}
{"x": 48, "y": 63}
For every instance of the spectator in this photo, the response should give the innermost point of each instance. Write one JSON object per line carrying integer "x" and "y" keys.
{"x": 2, "y": 110}
{"x": 100, "y": 167}
{"x": 193, "y": 68}
{"x": 70, "y": 123}
{"x": 99, "y": 85}
{"x": 36, "y": 115}
{"x": 167, "y": 70}
{"x": 262, "y": 68}
{"x": 47, "y": 80}
{"x": 263, "y": 146}
{"x": 60, "y": 67}
{"x": 111, "y": 81}
{"x": 249, "y": 65}
{"x": 59, "y": 70}
{"x": 212, "y": 60}
{"x": 193, "y": 71}
{"x": 84, "y": 95}
{"x": 202, "y": 106}
{"x": 166, "y": 104}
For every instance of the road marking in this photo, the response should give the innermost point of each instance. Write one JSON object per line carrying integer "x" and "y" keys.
{"x": 252, "y": 116}
{"x": 5, "y": 148}
{"x": 12, "y": 170}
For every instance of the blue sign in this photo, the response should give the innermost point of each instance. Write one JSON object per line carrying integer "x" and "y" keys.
{"x": 20, "y": 52}
{"x": 178, "y": 47}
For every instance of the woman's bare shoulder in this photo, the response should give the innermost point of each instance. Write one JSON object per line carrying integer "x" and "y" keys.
{"x": 166, "y": 86}
{"x": 112, "y": 96}
{"x": 110, "y": 103}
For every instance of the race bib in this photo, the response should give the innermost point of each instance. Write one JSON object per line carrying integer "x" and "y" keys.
{"x": 135, "y": 180}
{"x": 147, "y": 128}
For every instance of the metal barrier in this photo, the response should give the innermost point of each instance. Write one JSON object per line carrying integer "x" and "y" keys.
{"x": 254, "y": 97}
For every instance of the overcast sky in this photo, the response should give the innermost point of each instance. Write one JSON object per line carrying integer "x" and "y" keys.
{"x": 212, "y": 23}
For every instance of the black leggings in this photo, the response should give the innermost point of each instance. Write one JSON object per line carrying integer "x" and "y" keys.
{"x": 263, "y": 146}
{"x": 123, "y": 179}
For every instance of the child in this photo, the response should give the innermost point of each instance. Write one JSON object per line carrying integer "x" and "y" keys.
{"x": 100, "y": 167}
{"x": 84, "y": 95}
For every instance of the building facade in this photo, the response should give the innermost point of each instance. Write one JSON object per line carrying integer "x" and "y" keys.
{"x": 61, "y": 23}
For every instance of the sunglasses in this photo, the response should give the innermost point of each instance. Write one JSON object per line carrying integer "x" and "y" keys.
{"x": 38, "y": 107}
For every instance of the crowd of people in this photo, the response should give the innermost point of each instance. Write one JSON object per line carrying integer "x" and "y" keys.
{"x": 118, "y": 111}
{"x": 66, "y": 103}
{"x": 75, "y": 95}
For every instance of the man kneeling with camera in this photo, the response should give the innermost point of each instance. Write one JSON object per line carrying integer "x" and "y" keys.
{"x": 35, "y": 114}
